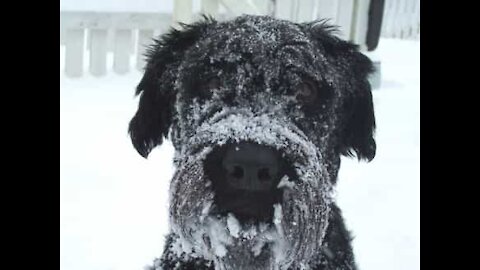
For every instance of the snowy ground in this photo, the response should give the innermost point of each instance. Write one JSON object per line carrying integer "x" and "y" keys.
{"x": 114, "y": 203}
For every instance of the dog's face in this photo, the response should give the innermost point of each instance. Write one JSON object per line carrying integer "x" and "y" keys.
{"x": 259, "y": 111}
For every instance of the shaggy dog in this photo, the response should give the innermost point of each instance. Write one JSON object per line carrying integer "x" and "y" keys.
{"x": 259, "y": 111}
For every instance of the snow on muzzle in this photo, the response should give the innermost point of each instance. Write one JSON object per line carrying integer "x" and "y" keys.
{"x": 299, "y": 222}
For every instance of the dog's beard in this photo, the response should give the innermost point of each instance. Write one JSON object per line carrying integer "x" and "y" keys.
{"x": 299, "y": 222}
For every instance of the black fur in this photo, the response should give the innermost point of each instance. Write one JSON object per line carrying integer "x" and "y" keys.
{"x": 152, "y": 121}
{"x": 341, "y": 121}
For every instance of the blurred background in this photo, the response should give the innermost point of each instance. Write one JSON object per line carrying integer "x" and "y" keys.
{"x": 114, "y": 203}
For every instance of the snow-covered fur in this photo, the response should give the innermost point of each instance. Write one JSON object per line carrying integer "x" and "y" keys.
{"x": 293, "y": 87}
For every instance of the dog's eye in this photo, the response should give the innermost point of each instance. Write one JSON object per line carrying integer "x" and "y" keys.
{"x": 213, "y": 83}
{"x": 306, "y": 92}
{"x": 209, "y": 87}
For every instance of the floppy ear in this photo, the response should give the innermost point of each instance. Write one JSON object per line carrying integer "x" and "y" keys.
{"x": 153, "y": 118}
{"x": 359, "y": 127}
{"x": 358, "y": 123}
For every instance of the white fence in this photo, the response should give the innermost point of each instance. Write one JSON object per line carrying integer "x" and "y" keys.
{"x": 96, "y": 35}
{"x": 401, "y": 19}
{"x": 90, "y": 38}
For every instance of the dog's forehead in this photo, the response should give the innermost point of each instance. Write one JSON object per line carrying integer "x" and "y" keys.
{"x": 255, "y": 46}
{"x": 252, "y": 35}
{"x": 262, "y": 30}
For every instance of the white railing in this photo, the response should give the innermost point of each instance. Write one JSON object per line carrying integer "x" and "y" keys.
{"x": 96, "y": 34}
{"x": 401, "y": 19}
{"x": 90, "y": 38}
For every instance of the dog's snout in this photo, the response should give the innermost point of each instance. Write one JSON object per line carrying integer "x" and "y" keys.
{"x": 251, "y": 167}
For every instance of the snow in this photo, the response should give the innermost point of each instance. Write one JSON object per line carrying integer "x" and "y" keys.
{"x": 114, "y": 203}
{"x": 233, "y": 225}
{"x": 285, "y": 183}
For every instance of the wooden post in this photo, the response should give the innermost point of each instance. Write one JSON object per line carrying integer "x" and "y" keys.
{"x": 401, "y": 19}
{"x": 344, "y": 18}
{"x": 306, "y": 11}
{"x": 360, "y": 23}
{"x": 98, "y": 52}
{"x": 210, "y": 7}
{"x": 411, "y": 18}
{"x": 74, "y": 39}
{"x": 182, "y": 12}
{"x": 62, "y": 37}
{"x": 144, "y": 39}
{"x": 386, "y": 18}
{"x": 327, "y": 9}
{"x": 238, "y": 8}
{"x": 285, "y": 9}
{"x": 265, "y": 6}
{"x": 393, "y": 18}
{"x": 416, "y": 26}
{"x": 121, "y": 56}
{"x": 397, "y": 19}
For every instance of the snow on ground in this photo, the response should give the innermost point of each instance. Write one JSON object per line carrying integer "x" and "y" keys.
{"x": 114, "y": 204}
{"x": 381, "y": 199}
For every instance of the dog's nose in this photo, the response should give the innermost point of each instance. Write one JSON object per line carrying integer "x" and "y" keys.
{"x": 251, "y": 167}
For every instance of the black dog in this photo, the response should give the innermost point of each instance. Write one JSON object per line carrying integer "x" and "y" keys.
{"x": 259, "y": 111}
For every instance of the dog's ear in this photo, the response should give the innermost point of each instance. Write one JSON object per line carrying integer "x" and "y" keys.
{"x": 358, "y": 126}
{"x": 153, "y": 118}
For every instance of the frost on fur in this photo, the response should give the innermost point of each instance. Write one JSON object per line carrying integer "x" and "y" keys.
{"x": 218, "y": 83}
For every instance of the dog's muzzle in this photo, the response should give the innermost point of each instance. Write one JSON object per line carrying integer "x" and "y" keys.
{"x": 255, "y": 154}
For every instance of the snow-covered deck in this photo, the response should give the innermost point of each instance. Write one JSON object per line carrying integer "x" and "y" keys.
{"x": 114, "y": 203}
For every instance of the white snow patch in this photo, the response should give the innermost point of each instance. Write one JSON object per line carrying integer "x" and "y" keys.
{"x": 284, "y": 182}
{"x": 218, "y": 237}
{"x": 277, "y": 214}
{"x": 233, "y": 225}
{"x": 206, "y": 210}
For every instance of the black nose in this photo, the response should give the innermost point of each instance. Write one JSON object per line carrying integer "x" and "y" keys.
{"x": 245, "y": 177}
{"x": 251, "y": 167}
